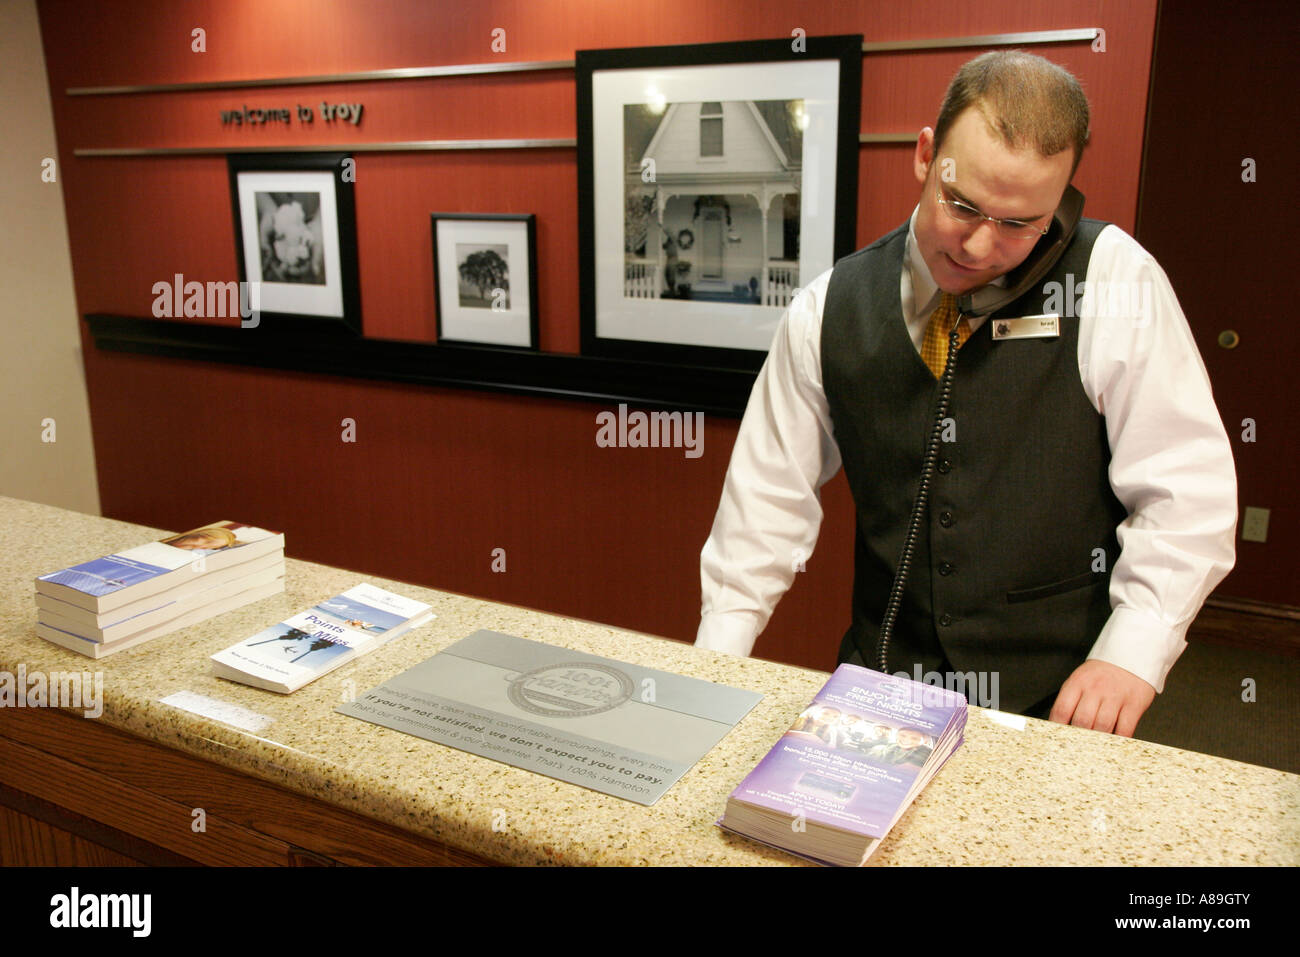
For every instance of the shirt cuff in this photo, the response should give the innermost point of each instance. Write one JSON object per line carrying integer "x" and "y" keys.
{"x": 732, "y": 633}
{"x": 1138, "y": 643}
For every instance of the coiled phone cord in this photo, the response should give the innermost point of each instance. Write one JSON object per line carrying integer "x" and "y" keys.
{"x": 918, "y": 506}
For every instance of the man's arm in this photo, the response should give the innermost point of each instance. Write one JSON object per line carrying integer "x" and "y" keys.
{"x": 770, "y": 513}
{"x": 1171, "y": 467}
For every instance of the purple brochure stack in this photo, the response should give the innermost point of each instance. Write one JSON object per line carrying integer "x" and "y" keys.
{"x": 849, "y": 766}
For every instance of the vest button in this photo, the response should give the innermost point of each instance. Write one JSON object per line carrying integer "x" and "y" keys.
{"x": 945, "y": 620}
{"x": 945, "y": 568}
{"x": 945, "y": 466}
{"x": 945, "y": 519}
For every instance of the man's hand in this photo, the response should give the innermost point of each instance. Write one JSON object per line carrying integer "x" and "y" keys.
{"x": 1103, "y": 697}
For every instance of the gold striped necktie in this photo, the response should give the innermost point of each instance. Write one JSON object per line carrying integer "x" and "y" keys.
{"x": 934, "y": 347}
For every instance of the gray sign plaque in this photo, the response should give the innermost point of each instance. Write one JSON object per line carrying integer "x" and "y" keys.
{"x": 614, "y": 727}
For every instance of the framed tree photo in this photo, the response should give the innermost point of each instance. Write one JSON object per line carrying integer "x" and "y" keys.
{"x": 714, "y": 181}
{"x": 485, "y": 278}
{"x": 296, "y": 236}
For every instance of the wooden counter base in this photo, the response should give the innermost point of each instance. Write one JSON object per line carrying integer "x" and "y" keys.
{"x": 80, "y": 792}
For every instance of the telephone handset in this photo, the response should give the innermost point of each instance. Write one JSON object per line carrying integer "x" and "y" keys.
{"x": 1047, "y": 251}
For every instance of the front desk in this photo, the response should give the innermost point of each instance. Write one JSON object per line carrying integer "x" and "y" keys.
{"x": 151, "y": 782}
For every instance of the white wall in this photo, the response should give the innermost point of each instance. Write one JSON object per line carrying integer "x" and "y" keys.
{"x": 41, "y": 373}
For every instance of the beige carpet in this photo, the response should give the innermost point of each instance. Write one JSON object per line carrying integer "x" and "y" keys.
{"x": 1201, "y": 708}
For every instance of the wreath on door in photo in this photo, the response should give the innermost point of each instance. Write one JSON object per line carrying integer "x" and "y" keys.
{"x": 713, "y": 202}
{"x": 685, "y": 239}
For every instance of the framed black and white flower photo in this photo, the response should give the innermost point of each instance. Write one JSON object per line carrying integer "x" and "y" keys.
{"x": 713, "y": 182}
{"x": 485, "y": 278}
{"x": 296, "y": 237}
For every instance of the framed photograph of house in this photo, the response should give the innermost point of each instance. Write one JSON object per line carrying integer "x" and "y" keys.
{"x": 713, "y": 182}
{"x": 485, "y": 278}
{"x": 296, "y": 236}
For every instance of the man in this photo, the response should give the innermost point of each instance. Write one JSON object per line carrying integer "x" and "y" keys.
{"x": 1093, "y": 457}
{"x": 817, "y": 720}
{"x": 857, "y": 734}
{"x": 909, "y": 749}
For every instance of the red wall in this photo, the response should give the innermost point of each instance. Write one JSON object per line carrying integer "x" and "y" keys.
{"x": 438, "y": 478}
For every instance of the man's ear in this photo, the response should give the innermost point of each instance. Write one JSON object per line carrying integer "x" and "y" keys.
{"x": 924, "y": 155}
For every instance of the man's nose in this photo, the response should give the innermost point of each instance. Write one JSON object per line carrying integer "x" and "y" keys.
{"x": 981, "y": 241}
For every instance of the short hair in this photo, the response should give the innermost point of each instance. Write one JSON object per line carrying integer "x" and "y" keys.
{"x": 1025, "y": 99}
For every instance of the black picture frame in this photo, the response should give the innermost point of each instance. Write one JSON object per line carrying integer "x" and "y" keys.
{"x": 503, "y": 319}
{"x": 630, "y": 307}
{"x": 315, "y": 287}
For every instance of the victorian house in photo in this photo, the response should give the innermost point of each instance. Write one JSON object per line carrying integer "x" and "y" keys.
{"x": 712, "y": 200}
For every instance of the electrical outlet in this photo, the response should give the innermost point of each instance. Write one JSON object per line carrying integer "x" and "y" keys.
{"x": 1254, "y": 525}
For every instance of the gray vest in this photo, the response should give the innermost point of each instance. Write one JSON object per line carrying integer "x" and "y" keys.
{"x": 1002, "y": 580}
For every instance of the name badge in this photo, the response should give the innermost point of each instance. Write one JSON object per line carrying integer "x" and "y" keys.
{"x": 1047, "y": 326}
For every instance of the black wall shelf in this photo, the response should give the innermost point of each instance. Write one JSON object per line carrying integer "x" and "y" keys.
{"x": 722, "y": 392}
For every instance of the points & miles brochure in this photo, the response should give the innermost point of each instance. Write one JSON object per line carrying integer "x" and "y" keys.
{"x": 290, "y": 654}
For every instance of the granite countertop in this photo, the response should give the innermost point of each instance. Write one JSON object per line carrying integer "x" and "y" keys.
{"x": 1019, "y": 791}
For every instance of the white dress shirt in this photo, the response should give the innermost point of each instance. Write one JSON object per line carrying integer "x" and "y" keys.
{"x": 1171, "y": 464}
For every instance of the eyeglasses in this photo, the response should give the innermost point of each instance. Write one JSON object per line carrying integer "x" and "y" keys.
{"x": 1016, "y": 229}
